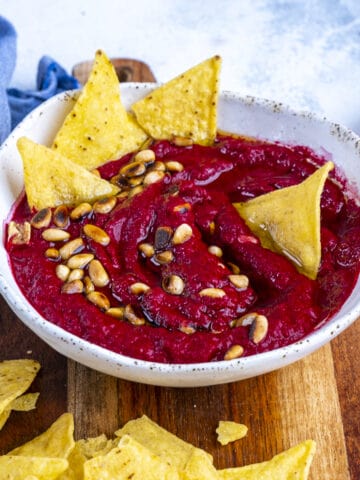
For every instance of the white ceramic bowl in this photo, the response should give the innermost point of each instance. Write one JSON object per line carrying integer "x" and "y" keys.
{"x": 248, "y": 116}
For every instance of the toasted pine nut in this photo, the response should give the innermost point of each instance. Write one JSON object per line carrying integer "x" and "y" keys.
{"x": 147, "y": 249}
{"x": 215, "y": 250}
{"x": 42, "y": 218}
{"x": 80, "y": 260}
{"x": 174, "y": 166}
{"x": 71, "y": 247}
{"x": 235, "y": 351}
{"x": 135, "y": 181}
{"x": 182, "y": 234}
{"x": 147, "y": 156}
{"x": 52, "y": 253}
{"x": 164, "y": 257}
{"x": 133, "y": 169}
{"x": 162, "y": 237}
{"x": 239, "y": 281}
{"x": 212, "y": 228}
{"x": 138, "y": 288}
{"x": 245, "y": 320}
{"x": 212, "y": 292}
{"x": 104, "y": 205}
{"x": 81, "y": 211}
{"x": 55, "y": 235}
{"x": 158, "y": 166}
{"x": 97, "y": 234}
{"x": 153, "y": 177}
{"x": 173, "y": 284}
{"x": 76, "y": 274}
{"x": 98, "y": 274}
{"x": 99, "y": 299}
{"x": 62, "y": 272}
{"x": 61, "y": 216}
{"x": 76, "y": 286}
{"x": 182, "y": 208}
{"x": 135, "y": 191}
{"x": 88, "y": 285}
{"x": 130, "y": 315}
{"x": 259, "y": 329}
{"x": 116, "y": 312}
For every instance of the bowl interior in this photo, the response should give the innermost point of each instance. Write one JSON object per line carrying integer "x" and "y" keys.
{"x": 243, "y": 115}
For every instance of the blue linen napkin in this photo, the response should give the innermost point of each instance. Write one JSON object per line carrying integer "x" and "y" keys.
{"x": 7, "y": 65}
{"x": 15, "y": 104}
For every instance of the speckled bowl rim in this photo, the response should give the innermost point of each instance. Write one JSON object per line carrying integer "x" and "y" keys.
{"x": 179, "y": 375}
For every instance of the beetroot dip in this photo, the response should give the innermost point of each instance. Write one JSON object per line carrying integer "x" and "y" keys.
{"x": 188, "y": 325}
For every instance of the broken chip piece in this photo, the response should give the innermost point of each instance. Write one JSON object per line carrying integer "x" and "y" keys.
{"x": 287, "y": 221}
{"x": 56, "y": 441}
{"x": 129, "y": 459}
{"x": 228, "y": 431}
{"x": 16, "y": 377}
{"x": 184, "y": 107}
{"x": 293, "y": 463}
{"x": 31, "y": 468}
{"x": 98, "y": 128}
{"x": 51, "y": 179}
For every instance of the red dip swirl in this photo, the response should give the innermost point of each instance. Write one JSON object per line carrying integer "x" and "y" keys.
{"x": 176, "y": 318}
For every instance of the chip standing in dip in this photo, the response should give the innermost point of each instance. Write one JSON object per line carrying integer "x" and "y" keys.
{"x": 167, "y": 267}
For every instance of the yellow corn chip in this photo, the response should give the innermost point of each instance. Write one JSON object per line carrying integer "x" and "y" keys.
{"x": 4, "y": 416}
{"x": 98, "y": 128}
{"x": 24, "y": 468}
{"x": 51, "y": 179}
{"x": 199, "y": 467}
{"x": 76, "y": 460}
{"x": 129, "y": 460}
{"x": 159, "y": 441}
{"x": 57, "y": 441}
{"x": 186, "y": 106}
{"x": 287, "y": 221}
{"x": 93, "y": 446}
{"x": 230, "y": 431}
{"x": 16, "y": 377}
{"x": 25, "y": 402}
{"x": 293, "y": 464}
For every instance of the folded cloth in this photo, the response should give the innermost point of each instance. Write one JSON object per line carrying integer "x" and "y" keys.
{"x": 7, "y": 65}
{"x": 51, "y": 79}
{"x": 14, "y": 103}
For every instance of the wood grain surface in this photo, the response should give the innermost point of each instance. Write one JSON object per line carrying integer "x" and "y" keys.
{"x": 318, "y": 398}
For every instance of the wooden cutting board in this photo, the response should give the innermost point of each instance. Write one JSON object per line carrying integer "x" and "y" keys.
{"x": 318, "y": 398}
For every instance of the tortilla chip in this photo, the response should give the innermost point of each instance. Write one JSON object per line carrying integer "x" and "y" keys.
{"x": 292, "y": 464}
{"x": 98, "y": 128}
{"x": 186, "y": 106}
{"x": 23, "y": 468}
{"x": 16, "y": 377}
{"x": 199, "y": 467}
{"x": 94, "y": 446}
{"x": 4, "y": 416}
{"x": 76, "y": 460}
{"x": 230, "y": 431}
{"x": 25, "y": 403}
{"x": 57, "y": 441}
{"x": 287, "y": 221}
{"x": 52, "y": 180}
{"x": 129, "y": 459}
{"x": 159, "y": 441}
